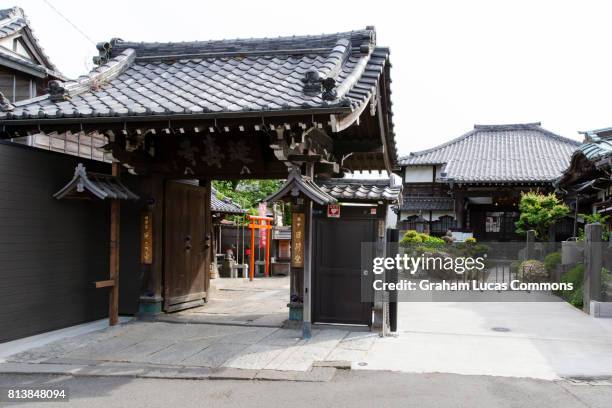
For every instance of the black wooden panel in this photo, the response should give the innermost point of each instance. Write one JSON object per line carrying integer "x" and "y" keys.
{"x": 52, "y": 251}
{"x": 337, "y": 270}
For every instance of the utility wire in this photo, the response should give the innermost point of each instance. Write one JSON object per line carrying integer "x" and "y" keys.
{"x": 70, "y": 22}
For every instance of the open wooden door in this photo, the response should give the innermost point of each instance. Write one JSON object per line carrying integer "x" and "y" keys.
{"x": 187, "y": 240}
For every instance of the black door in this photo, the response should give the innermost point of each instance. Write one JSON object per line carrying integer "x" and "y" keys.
{"x": 337, "y": 270}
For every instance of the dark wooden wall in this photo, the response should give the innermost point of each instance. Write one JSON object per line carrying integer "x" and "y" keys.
{"x": 52, "y": 251}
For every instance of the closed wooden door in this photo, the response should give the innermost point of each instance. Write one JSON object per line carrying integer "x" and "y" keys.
{"x": 337, "y": 270}
{"x": 186, "y": 246}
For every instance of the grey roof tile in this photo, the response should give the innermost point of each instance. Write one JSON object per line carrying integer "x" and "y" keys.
{"x": 220, "y": 76}
{"x": 224, "y": 205}
{"x": 14, "y": 21}
{"x": 360, "y": 190}
{"x": 412, "y": 203}
{"x": 500, "y": 153}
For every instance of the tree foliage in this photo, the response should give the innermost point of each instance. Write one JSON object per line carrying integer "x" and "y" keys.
{"x": 539, "y": 212}
{"x": 596, "y": 218}
{"x": 247, "y": 193}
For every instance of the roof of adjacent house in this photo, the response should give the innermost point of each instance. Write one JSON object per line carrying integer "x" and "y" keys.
{"x": 591, "y": 156}
{"x": 360, "y": 189}
{"x": 224, "y": 205}
{"x": 302, "y": 73}
{"x": 13, "y": 22}
{"x": 412, "y": 203}
{"x": 511, "y": 153}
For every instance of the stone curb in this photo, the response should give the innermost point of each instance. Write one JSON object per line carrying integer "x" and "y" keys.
{"x": 316, "y": 374}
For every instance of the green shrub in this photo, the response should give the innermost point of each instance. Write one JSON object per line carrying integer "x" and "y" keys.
{"x": 532, "y": 270}
{"x": 470, "y": 240}
{"x": 574, "y": 276}
{"x": 414, "y": 237}
{"x": 552, "y": 260}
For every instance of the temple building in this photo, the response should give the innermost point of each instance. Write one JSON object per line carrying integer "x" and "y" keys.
{"x": 310, "y": 106}
{"x": 586, "y": 182}
{"x": 472, "y": 184}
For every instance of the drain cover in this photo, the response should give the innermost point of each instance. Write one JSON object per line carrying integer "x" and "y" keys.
{"x": 500, "y": 329}
{"x": 363, "y": 364}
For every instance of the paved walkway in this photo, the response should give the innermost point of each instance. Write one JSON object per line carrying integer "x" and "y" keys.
{"x": 262, "y": 302}
{"x": 203, "y": 345}
{"x": 545, "y": 340}
{"x": 239, "y": 331}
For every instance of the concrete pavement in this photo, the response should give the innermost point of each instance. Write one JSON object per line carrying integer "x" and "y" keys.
{"x": 352, "y": 389}
{"x": 546, "y": 340}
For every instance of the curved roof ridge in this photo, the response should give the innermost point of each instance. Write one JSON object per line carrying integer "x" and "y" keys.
{"x": 60, "y": 90}
{"x": 244, "y": 46}
{"x": 537, "y": 126}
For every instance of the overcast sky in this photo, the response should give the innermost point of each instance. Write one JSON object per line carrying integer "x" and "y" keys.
{"x": 455, "y": 63}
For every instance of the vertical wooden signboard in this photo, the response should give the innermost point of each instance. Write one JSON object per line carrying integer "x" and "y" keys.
{"x": 297, "y": 240}
{"x": 146, "y": 238}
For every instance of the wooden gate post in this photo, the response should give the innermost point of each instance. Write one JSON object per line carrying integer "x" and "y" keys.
{"x": 113, "y": 297}
{"x": 593, "y": 262}
{"x": 307, "y": 303}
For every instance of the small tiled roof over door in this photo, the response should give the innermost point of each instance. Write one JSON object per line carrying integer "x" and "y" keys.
{"x": 360, "y": 190}
{"x": 518, "y": 153}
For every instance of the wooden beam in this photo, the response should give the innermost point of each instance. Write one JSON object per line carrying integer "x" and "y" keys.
{"x": 105, "y": 284}
{"x": 113, "y": 297}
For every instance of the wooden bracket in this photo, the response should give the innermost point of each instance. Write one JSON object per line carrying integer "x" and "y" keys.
{"x": 105, "y": 284}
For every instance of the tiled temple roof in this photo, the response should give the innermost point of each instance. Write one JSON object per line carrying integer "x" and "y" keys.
{"x": 360, "y": 190}
{"x": 499, "y": 153}
{"x": 337, "y": 71}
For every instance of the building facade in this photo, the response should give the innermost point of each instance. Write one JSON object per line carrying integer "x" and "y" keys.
{"x": 472, "y": 184}
{"x": 586, "y": 182}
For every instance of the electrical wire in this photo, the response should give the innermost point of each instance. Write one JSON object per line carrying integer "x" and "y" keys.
{"x": 70, "y": 22}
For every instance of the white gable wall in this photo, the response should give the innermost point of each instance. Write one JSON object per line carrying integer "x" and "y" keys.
{"x": 419, "y": 174}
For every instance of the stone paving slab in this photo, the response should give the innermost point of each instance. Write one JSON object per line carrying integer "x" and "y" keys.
{"x": 255, "y": 356}
{"x": 215, "y": 355}
{"x": 178, "y": 352}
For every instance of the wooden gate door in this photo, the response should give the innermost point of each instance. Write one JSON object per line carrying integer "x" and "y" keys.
{"x": 337, "y": 270}
{"x": 186, "y": 246}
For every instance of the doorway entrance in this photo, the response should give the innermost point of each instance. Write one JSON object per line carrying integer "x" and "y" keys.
{"x": 186, "y": 246}
{"x": 337, "y": 267}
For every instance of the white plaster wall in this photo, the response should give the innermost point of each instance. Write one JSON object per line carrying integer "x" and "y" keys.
{"x": 419, "y": 174}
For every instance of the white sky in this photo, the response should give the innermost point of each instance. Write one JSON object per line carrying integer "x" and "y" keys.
{"x": 455, "y": 63}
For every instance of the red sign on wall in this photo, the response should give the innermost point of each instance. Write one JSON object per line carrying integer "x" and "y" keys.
{"x": 333, "y": 211}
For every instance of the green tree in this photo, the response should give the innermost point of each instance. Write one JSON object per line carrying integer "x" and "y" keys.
{"x": 247, "y": 193}
{"x": 538, "y": 212}
{"x": 596, "y": 218}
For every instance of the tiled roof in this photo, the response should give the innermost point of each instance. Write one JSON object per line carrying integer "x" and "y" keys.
{"x": 412, "y": 203}
{"x": 297, "y": 184}
{"x": 500, "y": 153}
{"x": 362, "y": 190}
{"x": 596, "y": 148}
{"x": 98, "y": 185}
{"x": 337, "y": 72}
{"x": 225, "y": 205}
{"x": 595, "y": 153}
{"x": 11, "y": 21}
{"x": 14, "y": 21}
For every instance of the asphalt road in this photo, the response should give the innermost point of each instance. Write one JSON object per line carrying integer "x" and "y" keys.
{"x": 348, "y": 389}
